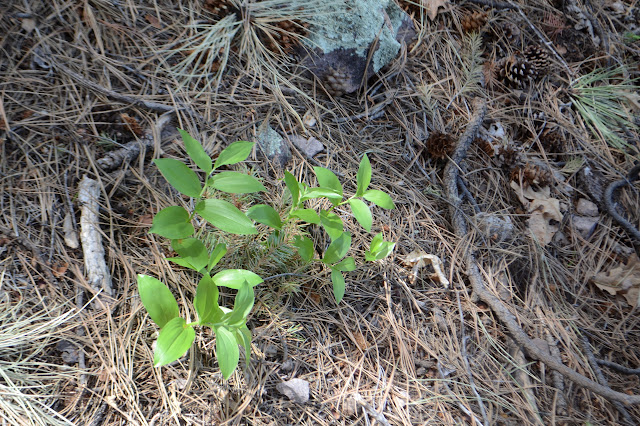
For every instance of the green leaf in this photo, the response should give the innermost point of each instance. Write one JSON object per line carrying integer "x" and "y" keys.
{"x": 376, "y": 243}
{"x": 304, "y": 246}
{"x": 227, "y": 351}
{"x": 235, "y": 278}
{"x": 157, "y": 300}
{"x": 338, "y": 284}
{"x": 331, "y": 223}
{"x": 196, "y": 152}
{"x": 180, "y": 176}
{"x": 331, "y": 194}
{"x": 379, "y": 198}
{"x": 308, "y": 215}
{"x": 193, "y": 251}
{"x": 234, "y": 153}
{"x": 224, "y": 215}
{"x": 172, "y": 222}
{"x": 327, "y": 179}
{"x": 218, "y": 252}
{"x": 383, "y": 251}
{"x": 337, "y": 249}
{"x": 206, "y": 301}
{"x": 293, "y": 187}
{"x": 362, "y": 213}
{"x": 363, "y": 176}
{"x": 241, "y": 306}
{"x": 347, "y": 265}
{"x": 236, "y": 183}
{"x": 266, "y": 215}
{"x": 174, "y": 340}
{"x": 182, "y": 262}
{"x": 243, "y": 337}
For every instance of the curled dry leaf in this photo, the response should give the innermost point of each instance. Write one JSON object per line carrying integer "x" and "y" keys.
{"x": 623, "y": 279}
{"x": 418, "y": 259}
{"x": 545, "y": 214}
{"x": 432, "y": 6}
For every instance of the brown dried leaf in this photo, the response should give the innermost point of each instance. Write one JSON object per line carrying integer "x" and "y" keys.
{"x": 545, "y": 211}
{"x": 432, "y": 6}
{"x": 624, "y": 279}
{"x": 155, "y": 23}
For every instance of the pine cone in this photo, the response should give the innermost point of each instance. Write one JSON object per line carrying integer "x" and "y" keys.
{"x": 440, "y": 145}
{"x": 220, "y": 8}
{"x": 474, "y": 21}
{"x": 538, "y": 58}
{"x": 508, "y": 155}
{"x": 285, "y": 37}
{"x": 485, "y": 146}
{"x": 531, "y": 174}
{"x": 552, "y": 142}
{"x": 515, "y": 72}
{"x": 336, "y": 82}
{"x": 511, "y": 32}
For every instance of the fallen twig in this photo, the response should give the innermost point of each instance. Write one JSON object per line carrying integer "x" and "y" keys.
{"x": 617, "y": 367}
{"x": 91, "y": 237}
{"x": 379, "y": 417}
{"x": 603, "y": 381}
{"x": 482, "y": 292}
{"x": 131, "y": 150}
{"x": 634, "y": 174}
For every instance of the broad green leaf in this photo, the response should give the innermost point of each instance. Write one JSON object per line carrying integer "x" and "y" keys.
{"x": 346, "y": 265}
{"x": 338, "y": 284}
{"x": 361, "y": 212}
{"x": 241, "y": 306}
{"x": 304, "y": 246}
{"x": 206, "y": 301}
{"x": 235, "y": 278}
{"x": 182, "y": 262}
{"x": 379, "y": 198}
{"x": 383, "y": 251}
{"x": 234, "y": 153}
{"x": 193, "y": 251}
{"x": 157, "y": 300}
{"x": 224, "y": 215}
{"x": 331, "y": 223}
{"x": 363, "y": 176}
{"x": 337, "y": 249}
{"x": 174, "y": 340}
{"x": 327, "y": 179}
{"x": 331, "y": 194}
{"x": 293, "y": 187}
{"x": 236, "y": 183}
{"x": 216, "y": 255}
{"x": 376, "y": 243}
{"x": 180, "y": 176}
{"x": 266, "y": 215}
{"x": 307, "y": 215}
{"x": 196, "y": 152}
{"x": 227, "y": 351}
{"x": 172, "y": 222}
{"x": 243, "y": 337}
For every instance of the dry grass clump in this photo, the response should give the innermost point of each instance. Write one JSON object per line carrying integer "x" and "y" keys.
{"x": 401, "y": 345}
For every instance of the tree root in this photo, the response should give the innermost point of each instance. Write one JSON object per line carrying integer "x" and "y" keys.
{"x": 451, "y": 174}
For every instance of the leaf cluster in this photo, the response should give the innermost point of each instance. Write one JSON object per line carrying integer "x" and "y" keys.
{"x": 175, "y": 223}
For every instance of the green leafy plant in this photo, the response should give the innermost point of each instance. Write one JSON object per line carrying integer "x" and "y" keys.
{"x": 175, "y": 223}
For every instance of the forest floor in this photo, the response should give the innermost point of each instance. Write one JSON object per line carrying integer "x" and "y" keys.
{"x": 81, "y": 79}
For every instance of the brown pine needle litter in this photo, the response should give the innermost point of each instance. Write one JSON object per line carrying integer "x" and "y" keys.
{"x": 542, "y": 272}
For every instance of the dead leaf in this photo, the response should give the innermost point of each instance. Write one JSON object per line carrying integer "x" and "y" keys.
{"x": 28, "y": 24}
{"x": 545, "y": 211}
{"x": 432, "y": 6}
{"x": 155, "y": 23}
{"x": 623, "y": 279}
{"x": 416, "y": 259}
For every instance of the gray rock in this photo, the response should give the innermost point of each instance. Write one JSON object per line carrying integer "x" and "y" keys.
{"x": 309, "y": 147}
{"x": 585, "y": 225}
{"x": 586, "y": 208}
{"x": 297, "y": 390}
{"x": 339, "y": 44}
{"x": 273, "y": 146}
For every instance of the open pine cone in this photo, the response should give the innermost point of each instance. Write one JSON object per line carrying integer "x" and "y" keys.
{"x": 531, "y": 174}
{"x": 440, "y": 145}
{"x": 515, "y": 72}
{"x": 285, "y": 37}
{"x": 220, "y": 8}
{"x": 474, "y": 21}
